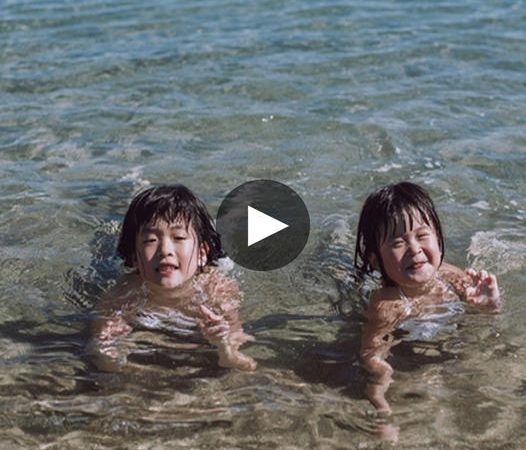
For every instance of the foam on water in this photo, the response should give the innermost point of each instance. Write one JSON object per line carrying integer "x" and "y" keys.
{"x": 135, "y": 177}
{"x": 495, "y": 251}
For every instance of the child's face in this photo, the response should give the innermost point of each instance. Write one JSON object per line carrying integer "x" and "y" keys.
{"x": 167, "y": 254}
{"x": 412, "y": 257}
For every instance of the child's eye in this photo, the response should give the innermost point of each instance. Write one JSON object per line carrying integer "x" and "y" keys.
{"x": 148, "y": 238}
{"x": 180, "y": 237}
{"x": 423, "y": 235}
{"x": 397, "y": 243}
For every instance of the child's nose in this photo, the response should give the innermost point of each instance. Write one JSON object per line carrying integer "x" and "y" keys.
{"x": 414, "y": 247}
{"x": 167, "y": 247}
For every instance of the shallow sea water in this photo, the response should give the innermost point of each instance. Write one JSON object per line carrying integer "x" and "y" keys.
{"x": 333, "y": 98}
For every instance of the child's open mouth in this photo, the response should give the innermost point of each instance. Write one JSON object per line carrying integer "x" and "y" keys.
{"x": 166, "y": 269}
{"x": 416, "y": 266}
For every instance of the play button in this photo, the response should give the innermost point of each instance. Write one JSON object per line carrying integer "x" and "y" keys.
{"x": 263, "y": 224}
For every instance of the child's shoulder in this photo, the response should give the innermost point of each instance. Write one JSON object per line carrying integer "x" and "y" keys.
{"x": 221, "y": 288}
{"x": 455, "y": 277}
{"x": 385, "y": 304}
{"x": 384, "y": 294}
{"x": 215, "y": 276}
{"x": 449, "y": 270}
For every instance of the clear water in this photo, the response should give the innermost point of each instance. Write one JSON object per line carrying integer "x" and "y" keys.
{"x": 333, "y": 98}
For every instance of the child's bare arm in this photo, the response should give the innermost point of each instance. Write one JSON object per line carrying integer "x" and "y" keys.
{"x": 111, "y": 323}
{"x": 383, "y": 314}
{"x": 105, "y": 347}
{"x": 113, "y": 309}
{"x": 380, "y": 377}
{"x": 221, "y": 324}
{"x": 217, "y": 330}
{"x": 214, "y": 326}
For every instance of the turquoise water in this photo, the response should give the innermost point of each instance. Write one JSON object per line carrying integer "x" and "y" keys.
{"x": 333, "y": 98}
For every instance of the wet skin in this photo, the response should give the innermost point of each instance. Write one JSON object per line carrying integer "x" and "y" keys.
{"x": 170, "y": 265}
{"x": 411, "y": 258}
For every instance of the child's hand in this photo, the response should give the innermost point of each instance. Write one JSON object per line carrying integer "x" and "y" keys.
{"x": 213, "y": 326}
{"x": 106, "y": 349}
{"x": 114, "y": 327}
{"x": 483, "y": 290}
{"x": 216, "y": 329}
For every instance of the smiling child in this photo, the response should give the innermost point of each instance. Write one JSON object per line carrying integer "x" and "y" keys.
{"x": 400, "y": 236}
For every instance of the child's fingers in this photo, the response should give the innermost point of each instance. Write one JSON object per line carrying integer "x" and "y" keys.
{"x": 484, "y": 290}
{"x": 209, "y": 315}
{"x": 488, "y": 278}
{"x": 473, "y": 274}
{"x": 492, "y": 280}
{"x": 213, "y": 324}
{"x": 114, "y": 327}
{"x": 218, "y": 330}
{"x": 471, "y": 295}
{"x": 481, "y": 277}
{"x": 215, "y": 331}
{"x": 493, "y": 285}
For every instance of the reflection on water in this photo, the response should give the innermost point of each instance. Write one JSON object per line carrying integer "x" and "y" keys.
{"x": 306, "y": 393}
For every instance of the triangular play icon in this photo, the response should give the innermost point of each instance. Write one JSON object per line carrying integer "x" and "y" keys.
{"x": 261, "y": 226}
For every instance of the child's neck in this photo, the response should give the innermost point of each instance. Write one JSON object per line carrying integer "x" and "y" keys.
{"x": 413, "y": 292}
{"x": 169, "y": 296}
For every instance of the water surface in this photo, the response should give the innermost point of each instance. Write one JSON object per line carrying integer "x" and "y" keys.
{"x": 333, "y": 98}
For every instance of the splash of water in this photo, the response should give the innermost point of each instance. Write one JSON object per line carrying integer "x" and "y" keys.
{"x": 490, "y": 250}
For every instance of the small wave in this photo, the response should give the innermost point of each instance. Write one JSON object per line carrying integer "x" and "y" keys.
{"x": 388, "y": 167}
{"x": 84, "y": 285}
{"x": 489, "y": 250}
{"x": 226, "y": 264}
{"x": 338, "y": 264}
{"x": 135, "y": 178}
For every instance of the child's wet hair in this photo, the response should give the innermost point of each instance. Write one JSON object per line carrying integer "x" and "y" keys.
{"x": 387, "y": 210}
{"x": 169, "y": 203}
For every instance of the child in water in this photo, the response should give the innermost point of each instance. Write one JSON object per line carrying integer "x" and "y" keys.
{"x": 169, "y": 241}
{"x": 399, "y": 235}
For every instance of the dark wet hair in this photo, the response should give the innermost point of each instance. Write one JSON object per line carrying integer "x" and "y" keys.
{"x": 383, "y": 212}
{"x": 168, "y": 203}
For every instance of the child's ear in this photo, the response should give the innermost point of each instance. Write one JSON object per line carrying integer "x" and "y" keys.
{"x": 373, "y": 261}
{"x": 203, "y": 254}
